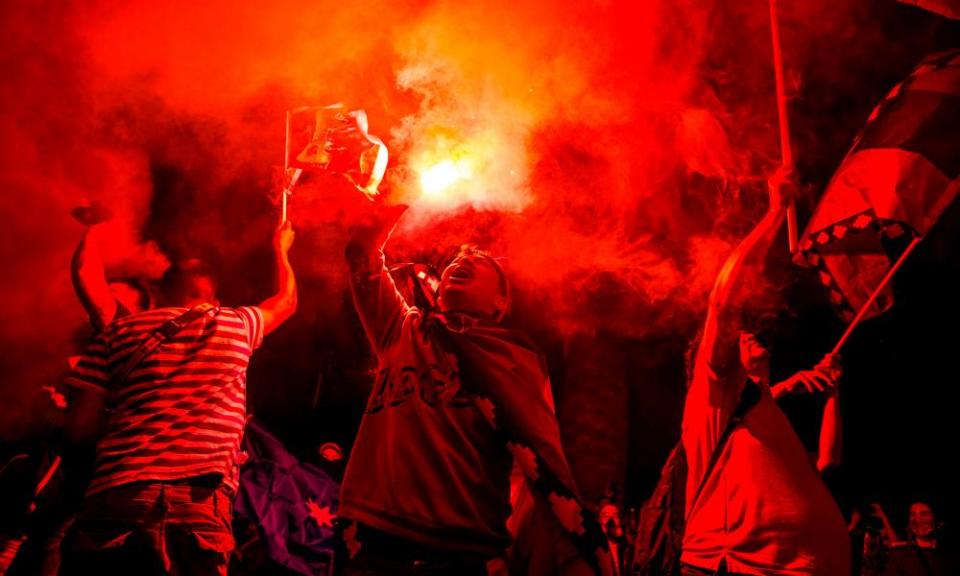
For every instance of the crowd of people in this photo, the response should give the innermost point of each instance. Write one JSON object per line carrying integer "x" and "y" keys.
{"x": 458, "y": 465}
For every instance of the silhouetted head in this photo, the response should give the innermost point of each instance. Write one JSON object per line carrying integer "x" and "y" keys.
{"x": 187, "y": 283}
{"x": 922, "y": 523}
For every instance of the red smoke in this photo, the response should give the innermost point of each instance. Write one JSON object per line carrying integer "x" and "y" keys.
{"x": 613, "y": 150}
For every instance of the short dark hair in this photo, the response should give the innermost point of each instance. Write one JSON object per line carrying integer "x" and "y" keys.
{"x": 182, "y": 279}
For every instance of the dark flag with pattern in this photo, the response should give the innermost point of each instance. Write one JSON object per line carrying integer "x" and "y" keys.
{"x": 947, "y": 8}
{"x": 507, "y": 376}
{"x": 898, "y": 178}
{"x": 293, "y": 504}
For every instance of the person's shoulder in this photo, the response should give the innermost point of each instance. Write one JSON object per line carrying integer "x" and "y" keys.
{"x": 234, "y": 310}
{"x": 144, "y": 318}
{"x": 165, "y": 311}
{"x": 246, "y": 315}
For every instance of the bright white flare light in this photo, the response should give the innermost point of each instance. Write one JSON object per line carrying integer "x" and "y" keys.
{"x": 441, "y": 176}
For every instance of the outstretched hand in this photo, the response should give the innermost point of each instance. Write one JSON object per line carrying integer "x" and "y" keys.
{"x": 283, "y": 237}
{"x": 823, "y": 378}
{"x": 784, "y": 187}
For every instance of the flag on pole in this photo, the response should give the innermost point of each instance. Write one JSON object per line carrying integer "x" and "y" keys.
{"x": 947, "y": 8}
{"x": 338, "y": 141}
{"x": 898, "y": 178}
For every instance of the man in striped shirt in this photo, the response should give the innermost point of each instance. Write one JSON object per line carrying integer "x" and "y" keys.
{"x": 166, "y": 467}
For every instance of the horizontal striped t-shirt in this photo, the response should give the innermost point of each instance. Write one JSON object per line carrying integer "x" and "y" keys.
{"x": 180, "y": 412}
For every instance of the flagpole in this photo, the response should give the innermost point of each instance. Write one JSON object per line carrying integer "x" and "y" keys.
{"x": 786, "y": 152}
{"x": 876, "y": 293}
{"x": 286, "y": 169}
